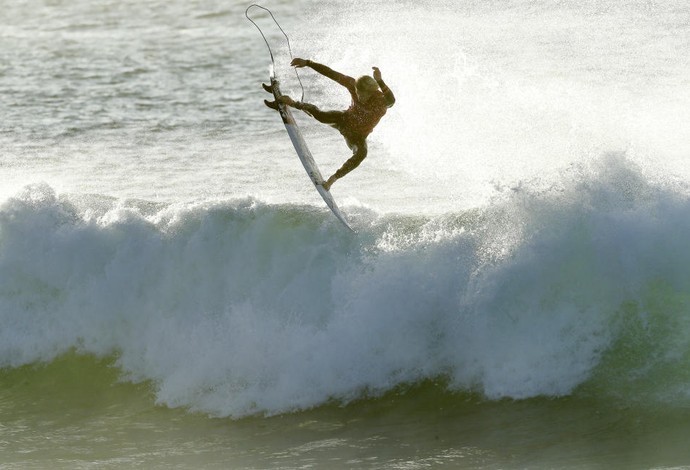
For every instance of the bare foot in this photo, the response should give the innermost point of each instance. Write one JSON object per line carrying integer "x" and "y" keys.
{"x": 327, "y": 184}
{"x": 286, "y": 100}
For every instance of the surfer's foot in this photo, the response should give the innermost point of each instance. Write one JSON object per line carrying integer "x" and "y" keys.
{"x": 286, "y": 100}
{"x": 268, "y": 88}
{"x": 272, "y": 105}
{"x": 327, "y": 184}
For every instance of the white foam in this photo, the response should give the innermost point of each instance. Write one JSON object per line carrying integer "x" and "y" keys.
{"x": 238, "y": 307}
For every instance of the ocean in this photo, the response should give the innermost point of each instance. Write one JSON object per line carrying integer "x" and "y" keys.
{"x": 175, "y": 294}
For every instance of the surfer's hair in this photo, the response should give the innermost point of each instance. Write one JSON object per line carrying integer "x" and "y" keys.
{"x": 366, "y": 84}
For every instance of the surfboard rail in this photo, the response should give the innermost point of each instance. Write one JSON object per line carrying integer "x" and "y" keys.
{"x": 304, "y": 153}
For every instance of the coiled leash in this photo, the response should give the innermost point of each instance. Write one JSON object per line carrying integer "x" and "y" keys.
{"x": 287, "y": 39}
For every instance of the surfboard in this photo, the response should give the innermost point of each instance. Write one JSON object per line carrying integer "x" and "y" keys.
{"x": 304, "y": 153}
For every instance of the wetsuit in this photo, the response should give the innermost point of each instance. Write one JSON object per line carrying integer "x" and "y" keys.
{"x": 356, "y": 122}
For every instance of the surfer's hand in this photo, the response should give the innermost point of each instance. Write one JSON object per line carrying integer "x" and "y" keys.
{"x": 297, "y": 62}
{"x": 377, "y": 74}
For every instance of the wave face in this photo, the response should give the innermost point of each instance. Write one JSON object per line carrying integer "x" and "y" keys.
{"x": 239, "y": 307}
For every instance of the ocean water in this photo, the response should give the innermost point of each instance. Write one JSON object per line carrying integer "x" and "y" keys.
{"x": 175, "y": 294}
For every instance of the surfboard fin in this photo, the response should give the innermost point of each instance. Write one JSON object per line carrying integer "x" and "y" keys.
{"x": 272, "y": 105}
{"x": 267, "y": 88}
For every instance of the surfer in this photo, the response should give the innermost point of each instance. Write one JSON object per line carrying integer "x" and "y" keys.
{"x": 370, "y": 100}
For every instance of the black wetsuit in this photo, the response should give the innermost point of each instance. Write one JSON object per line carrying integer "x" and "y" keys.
{"x": 356, "y": 122}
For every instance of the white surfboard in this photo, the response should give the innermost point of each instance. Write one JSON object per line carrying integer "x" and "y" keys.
{"x": 304, "y": 154}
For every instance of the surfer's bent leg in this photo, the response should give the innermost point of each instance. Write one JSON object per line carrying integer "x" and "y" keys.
{"x": 325, "y": 117}
{"x": 360, "y": 153}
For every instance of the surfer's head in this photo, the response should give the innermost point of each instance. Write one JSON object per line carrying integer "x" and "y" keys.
{"x": 366, "y": 86}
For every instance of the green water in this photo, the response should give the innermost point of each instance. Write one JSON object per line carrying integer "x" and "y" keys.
{"x": 77, "y": 412}
{"x": 523, "y": 223}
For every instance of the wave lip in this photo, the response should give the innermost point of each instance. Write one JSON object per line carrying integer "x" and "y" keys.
{"x": 238, "y": 307}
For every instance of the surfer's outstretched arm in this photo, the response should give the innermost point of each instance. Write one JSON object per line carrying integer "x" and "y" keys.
{"x": 387, "y": 93}
{"x": 344, "y": 80}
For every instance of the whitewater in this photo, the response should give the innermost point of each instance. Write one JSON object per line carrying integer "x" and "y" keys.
{"x": 521, "y": 249}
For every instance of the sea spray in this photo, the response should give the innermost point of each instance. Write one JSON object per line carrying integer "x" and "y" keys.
{"x": 238, "y": 307}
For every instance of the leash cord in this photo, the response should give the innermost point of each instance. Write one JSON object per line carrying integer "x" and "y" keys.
{"x": 246, "y": 13}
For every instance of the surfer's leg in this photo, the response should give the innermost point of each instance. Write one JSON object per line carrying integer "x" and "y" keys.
{"x": 333, "y": 118}
{"x": 359, "y": 153}
{"x": 324, "y": 117}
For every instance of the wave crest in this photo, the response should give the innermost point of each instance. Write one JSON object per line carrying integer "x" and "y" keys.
{"x": 240, "y": 307}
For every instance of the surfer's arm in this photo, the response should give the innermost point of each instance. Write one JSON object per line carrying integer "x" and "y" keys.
{"x": 344, "y": 80}
{"x": 387, "y": 93}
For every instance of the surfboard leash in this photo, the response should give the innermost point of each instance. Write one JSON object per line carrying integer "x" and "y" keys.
{"x": 287, "y": 39}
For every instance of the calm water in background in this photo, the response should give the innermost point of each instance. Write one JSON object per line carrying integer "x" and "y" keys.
{"x": 174, "y": 294}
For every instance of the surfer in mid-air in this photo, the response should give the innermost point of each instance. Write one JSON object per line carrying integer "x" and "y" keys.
{"x": 370, "y": 100}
